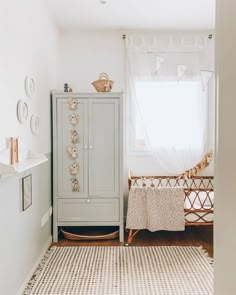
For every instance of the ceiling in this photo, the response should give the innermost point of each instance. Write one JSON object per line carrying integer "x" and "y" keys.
{"x": 133, "y": 14}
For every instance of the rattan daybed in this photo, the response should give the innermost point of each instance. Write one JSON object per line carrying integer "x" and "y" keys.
{"x": 199, "y": 196}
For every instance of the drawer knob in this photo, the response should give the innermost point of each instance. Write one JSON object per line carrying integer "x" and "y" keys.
{"x": 88, "y": 201}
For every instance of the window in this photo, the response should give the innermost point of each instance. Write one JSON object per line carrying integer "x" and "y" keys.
{"x": 169, "y": 114}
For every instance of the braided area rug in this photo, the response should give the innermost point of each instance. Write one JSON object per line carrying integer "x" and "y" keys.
{"x": 123, "y": 270}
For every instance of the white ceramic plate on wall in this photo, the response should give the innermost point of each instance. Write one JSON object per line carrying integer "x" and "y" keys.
{"x": 22, "y": 111}
{"x": 34, "y": 124}
{"x": 29, "y": 86}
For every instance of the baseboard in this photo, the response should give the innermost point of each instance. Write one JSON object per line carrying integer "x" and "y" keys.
{"x": 46, "y": 246}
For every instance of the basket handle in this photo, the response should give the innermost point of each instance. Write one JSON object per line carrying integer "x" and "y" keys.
{"x": 103, "y": 76}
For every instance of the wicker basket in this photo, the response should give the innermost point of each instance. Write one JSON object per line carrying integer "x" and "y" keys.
{"x": 103, "y": 84}
{"x": 89, "y": 237}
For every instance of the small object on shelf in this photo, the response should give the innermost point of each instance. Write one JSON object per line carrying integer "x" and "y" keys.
{"x": 103, "y": 84}
{"x": 12, "y": 150}
{"x": 17, "y": 150}
{"x": 66, "y": 87}
{"x": 70, "y": 89}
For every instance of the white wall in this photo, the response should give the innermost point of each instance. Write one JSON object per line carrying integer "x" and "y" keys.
{"x": 86, "y": 54}
{"x": 28, "y": 46}
{"x": 225, "y": 195}
{"x": 22, "y": 237}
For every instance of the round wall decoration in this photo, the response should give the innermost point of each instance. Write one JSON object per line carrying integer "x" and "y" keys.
{"x": 22, "y": 111}
{"x": 29, "y": 86}
{"x": 34, "y": 124}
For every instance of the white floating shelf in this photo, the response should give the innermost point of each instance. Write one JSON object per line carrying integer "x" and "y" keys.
{"x": 11, "y": 170}
{"x": 28, "y": 164}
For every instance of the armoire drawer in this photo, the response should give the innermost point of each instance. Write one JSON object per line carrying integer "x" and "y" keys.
{"x": 88, "y": 210}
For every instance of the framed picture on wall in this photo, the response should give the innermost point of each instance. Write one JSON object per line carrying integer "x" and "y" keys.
{"x": 26, "y": 192}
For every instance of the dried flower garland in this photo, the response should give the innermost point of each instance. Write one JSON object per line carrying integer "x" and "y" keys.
{"x": 73, "y": 150}
{"x": 199, "y": 167}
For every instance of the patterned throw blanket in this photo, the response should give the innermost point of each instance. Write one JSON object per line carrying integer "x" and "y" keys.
{"x": 156, "y": 209}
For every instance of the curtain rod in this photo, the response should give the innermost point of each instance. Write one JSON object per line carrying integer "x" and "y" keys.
{"x": 210, "y": 36}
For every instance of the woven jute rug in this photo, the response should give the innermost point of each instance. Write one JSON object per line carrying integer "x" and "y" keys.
{"x": 123, "y": 270}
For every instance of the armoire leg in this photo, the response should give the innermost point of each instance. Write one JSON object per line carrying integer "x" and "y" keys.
{"x": 55, "y": 234}
{"x": 121, "y": 234}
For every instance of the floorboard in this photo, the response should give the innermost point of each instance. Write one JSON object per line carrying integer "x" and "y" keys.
{"x": 192, "y": 236}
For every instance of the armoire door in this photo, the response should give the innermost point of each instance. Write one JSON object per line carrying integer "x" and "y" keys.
{"x": 72, "y": 138}
{"x": 104, "y": 147}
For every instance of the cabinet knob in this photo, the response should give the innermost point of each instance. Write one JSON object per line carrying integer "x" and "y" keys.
{"x": 88, "y": 201}
{"x": 86, "y": 147}
{"x": 90, "y": 147}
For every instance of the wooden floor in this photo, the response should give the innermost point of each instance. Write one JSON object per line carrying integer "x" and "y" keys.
{"x": 192, "y": 236}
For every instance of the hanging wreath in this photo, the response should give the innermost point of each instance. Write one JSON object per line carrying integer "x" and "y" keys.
{"x": 199, "y": 167}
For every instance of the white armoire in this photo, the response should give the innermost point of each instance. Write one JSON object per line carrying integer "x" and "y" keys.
{"x": 87, "y": 160}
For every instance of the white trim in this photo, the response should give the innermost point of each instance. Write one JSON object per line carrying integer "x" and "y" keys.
{"x": 28, "y": 277}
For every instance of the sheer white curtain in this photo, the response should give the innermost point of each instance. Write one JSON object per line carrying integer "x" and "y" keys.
{"x": 168, "y": 105}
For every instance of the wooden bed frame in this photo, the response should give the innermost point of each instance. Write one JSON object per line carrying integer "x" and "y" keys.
{"x": 193, "y": 188}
